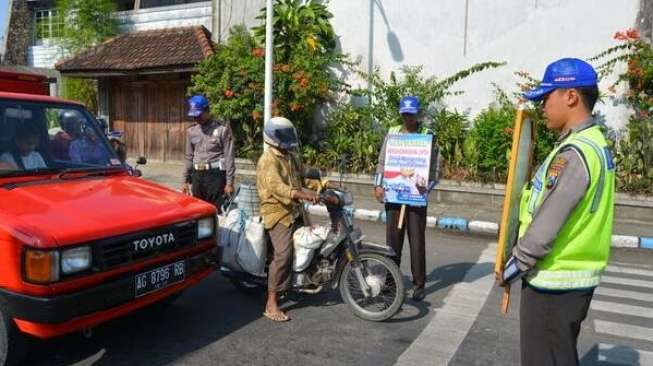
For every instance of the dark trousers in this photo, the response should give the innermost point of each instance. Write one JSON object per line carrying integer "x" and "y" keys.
{"x": 415, "y": 222}
{"x": 208, "y": 185}
{"x": 549, "y": 325}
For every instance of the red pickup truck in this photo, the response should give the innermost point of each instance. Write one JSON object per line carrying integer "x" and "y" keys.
{"x": 83, "y": 241}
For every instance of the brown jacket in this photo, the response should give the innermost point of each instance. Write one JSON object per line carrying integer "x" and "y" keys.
{"x": 278, "y": 176}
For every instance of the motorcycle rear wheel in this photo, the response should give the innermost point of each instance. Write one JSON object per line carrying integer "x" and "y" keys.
{"x": 385, "y": 281}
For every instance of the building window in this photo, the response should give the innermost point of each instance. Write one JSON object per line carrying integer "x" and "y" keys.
{"x": 155, "y": 3}
{"x": 48, "y": 25}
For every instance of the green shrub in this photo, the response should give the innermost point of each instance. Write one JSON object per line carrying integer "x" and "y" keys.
{"x": 487, "y": 150}
{"x": 451, "y": 129}
{"x": 384, "y": 96}
{"x": 352, "y": 137}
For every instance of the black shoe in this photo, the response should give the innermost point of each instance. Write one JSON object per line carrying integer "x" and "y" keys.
{"x": 418, "y": 294}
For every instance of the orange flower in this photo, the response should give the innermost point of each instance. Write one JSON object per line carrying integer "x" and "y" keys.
{"x": 228, "y": 93}
{"x": 285, "y": 68}
{"x": 258, "y": 52}
{"x": 627, "y": 35}
{"x": 303, "y": 82}
{"x": 643, "y": 114}
{"x": 508, "y": 131}
{"x": 256, "y": 115}
{"x": 619, "y": 36}
{"x": 295, "y": 107}
{"x": 632, "y": 34}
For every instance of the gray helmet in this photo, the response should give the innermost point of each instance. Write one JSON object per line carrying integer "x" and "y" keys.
{"x": 71, "y": 121}
{"x": 280, "y": 133}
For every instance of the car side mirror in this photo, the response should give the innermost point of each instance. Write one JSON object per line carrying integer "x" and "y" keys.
{"x": 141, "y": 161}
{"x": 104, "y": 126}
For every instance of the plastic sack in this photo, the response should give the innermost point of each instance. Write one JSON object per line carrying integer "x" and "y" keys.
{"x": 306, "y": 240}
{"x": 229, "y": 228}
{"x": 252, "y": 249}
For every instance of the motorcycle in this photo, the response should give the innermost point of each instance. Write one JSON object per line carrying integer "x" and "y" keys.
{"x": 118, "y": 144}
{"x": 370, "y": 282}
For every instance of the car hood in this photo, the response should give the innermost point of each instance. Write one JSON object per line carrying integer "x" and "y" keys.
{"x": 65, "y": 212}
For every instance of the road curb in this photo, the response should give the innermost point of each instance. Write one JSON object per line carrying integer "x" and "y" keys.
{"x": 461, "y": 224}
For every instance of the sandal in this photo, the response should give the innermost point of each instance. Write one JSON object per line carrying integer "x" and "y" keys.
{"x": 276, "y": 317}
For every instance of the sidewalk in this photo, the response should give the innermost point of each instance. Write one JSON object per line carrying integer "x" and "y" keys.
{"x": 631, "y": 218}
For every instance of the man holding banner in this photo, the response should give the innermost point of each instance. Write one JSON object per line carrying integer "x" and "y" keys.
{"x": 565, "y": 219}
{"x": 405, "y": 174}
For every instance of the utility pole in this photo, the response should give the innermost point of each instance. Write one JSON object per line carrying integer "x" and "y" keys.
{"x": 269, "y": 60}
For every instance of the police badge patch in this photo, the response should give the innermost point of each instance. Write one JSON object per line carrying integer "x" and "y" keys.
{"x": 553, "y": 173}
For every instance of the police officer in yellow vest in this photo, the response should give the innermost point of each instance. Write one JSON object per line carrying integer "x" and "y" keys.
{"x": 415, "y": 217}
{"x": 566, "y": 218}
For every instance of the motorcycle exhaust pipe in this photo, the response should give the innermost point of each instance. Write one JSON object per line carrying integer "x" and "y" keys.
{"x": 311, "y": 292}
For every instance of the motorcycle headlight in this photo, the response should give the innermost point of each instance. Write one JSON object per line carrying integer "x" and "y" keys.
{"x": 205, "y": 228}
{"x": 75, "y": 260}
{"x": 349, "y": 199}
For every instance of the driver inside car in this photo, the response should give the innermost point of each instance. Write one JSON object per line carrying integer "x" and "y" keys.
{"x": 280, "y": 185}
{"x": 24, "y": 155}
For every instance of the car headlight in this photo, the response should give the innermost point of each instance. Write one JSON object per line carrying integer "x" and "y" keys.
{"x": 205, "y": 228}
{"x": 75, "y": 260}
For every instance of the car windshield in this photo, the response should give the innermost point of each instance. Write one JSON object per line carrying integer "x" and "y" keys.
{"x": 39, "y": 137}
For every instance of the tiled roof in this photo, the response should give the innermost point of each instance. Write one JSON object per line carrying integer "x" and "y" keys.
{"x": 158, "y": 49}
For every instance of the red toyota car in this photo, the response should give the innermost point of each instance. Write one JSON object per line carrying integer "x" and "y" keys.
{"x": 82, "y": 240}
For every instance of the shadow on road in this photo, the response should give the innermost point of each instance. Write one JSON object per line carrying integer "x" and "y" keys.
{"x": 617, "y": 355}
{"x": 157, "y": 335}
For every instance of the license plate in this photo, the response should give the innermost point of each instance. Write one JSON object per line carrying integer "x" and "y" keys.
{"x": 159, "y": 278}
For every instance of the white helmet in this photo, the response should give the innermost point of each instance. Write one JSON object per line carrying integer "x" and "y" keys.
{"x": 280, "y": 133}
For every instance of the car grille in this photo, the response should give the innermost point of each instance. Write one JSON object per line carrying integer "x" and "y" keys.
{"x": 118, "y": 251}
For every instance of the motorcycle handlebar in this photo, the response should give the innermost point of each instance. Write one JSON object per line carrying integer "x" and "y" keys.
{"x": 329, "y": 199}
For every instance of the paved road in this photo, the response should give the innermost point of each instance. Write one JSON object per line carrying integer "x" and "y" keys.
{"x": 213, "y": 324}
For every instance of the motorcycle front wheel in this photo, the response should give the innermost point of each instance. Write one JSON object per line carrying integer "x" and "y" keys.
{"x": 386, "y": 292}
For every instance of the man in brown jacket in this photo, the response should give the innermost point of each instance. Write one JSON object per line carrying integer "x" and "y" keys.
{"x": 280, "y": 183}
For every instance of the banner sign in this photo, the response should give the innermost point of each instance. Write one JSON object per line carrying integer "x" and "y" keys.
{"x": 406, "y": 170}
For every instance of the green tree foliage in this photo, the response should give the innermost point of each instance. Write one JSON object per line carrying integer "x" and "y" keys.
{"x": 233, "y": 79}
{"x": 298, "y": 24}
{"x": 85, "y": 24}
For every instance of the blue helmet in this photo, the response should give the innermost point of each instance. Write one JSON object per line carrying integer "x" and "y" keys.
{"x": 563, "y": 74}
{"x": 409, "y": 105}
{"x": 196, "y": 105}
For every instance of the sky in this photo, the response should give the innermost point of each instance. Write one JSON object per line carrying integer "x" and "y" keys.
{"x": 3, "y": 16}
